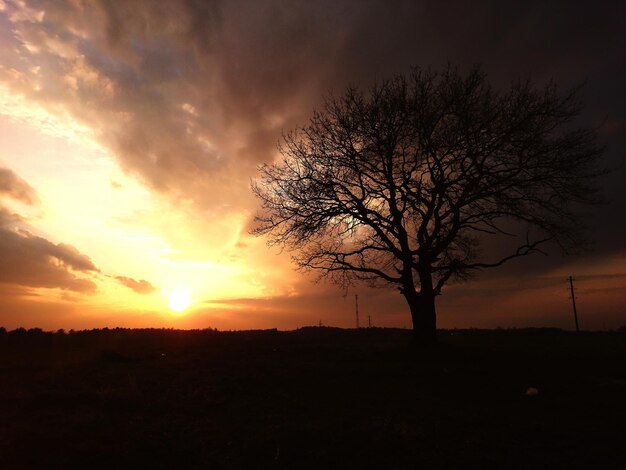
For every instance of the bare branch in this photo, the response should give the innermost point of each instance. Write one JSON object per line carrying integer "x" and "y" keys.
{"x": 405, "y": 183}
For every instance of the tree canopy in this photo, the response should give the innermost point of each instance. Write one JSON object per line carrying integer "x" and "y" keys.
{"x": 403, "y": 184}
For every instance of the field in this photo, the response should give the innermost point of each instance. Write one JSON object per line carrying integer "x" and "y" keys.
{"x": 312, "y": 398}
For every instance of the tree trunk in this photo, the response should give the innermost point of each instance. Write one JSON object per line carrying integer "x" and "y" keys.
{"x": 424, "y": 316}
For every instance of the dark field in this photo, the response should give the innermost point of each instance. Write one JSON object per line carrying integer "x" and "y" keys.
{"x": 312, "y": 398}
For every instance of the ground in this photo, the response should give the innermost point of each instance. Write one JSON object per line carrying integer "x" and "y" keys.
{"x": 312, "y": 398}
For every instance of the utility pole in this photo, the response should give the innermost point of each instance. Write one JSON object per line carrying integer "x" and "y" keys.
{"x": 369, "y": 321}
{"x": 356, "y": 304}
{"x": 571, "y": 286}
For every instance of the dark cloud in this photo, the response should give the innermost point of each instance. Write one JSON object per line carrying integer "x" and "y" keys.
{"x": 140, "y": 287}
{"x": 13, "y": 186}
{"x": 191, "y": 95}
{"x": 29, "y": 260}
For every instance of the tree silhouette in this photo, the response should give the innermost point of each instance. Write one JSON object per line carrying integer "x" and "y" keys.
{"x": 404, "y": 184}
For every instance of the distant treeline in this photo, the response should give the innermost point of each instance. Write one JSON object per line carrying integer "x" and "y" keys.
{"x": 139, "y": 332}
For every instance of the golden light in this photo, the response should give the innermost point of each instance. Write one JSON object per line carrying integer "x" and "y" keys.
{"x": 179, "y": 299}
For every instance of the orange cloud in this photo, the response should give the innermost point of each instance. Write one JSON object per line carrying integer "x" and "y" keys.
{"x": 13, "y": 186}
{"x": 141, "y": 286}
{"x": 33, "y": 261}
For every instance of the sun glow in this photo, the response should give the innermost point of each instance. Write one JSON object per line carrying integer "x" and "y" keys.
{"x": 179, "y": 299}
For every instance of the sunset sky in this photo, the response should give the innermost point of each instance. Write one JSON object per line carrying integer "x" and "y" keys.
{"x": 131, "y": 130}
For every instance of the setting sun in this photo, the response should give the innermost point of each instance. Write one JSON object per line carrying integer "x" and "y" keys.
{"x": 179, "y": 299}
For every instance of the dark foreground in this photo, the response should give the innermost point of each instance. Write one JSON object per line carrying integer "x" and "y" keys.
{"x": 312, "y": 398}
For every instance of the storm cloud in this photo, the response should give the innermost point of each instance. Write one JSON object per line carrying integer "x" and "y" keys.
{"x": 191, "y": 96}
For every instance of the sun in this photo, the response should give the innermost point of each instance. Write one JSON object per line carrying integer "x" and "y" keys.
{"x": 179, "y": 299}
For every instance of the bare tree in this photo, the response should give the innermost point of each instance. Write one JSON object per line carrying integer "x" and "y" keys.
{"x": 402, "y": 185}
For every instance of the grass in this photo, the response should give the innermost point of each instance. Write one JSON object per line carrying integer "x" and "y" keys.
{"x": 312, "y": 398}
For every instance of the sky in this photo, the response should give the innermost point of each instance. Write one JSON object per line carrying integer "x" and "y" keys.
{"x": 130, "y": 133}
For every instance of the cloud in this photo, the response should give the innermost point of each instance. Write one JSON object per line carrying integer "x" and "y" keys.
{"x": 33, "y": 261}
{"x": 140, "y": 287}
{"x": 13, "y": 186}
{"x": 191, "y": 96}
